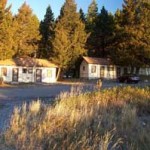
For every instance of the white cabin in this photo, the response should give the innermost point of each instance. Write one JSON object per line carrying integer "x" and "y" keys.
{"x": 95, "y": 68}
{"x": 26, "y": 70}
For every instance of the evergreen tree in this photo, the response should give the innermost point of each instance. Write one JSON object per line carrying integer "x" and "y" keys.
{"x": 47, "y": 32}
{"x": 126, "y": 35}
{"x": 144, "y": 31}
{"x": 130, "y": 44}
{"x": 27, "y": 32}
{"x": 82, "y": 15}
{"x": 103, "y": 34}
{"x": 70, "y": 37}
{"x": 118, "y": 33}
{"x": 91, "y": 18}
{"x": 61, "y": 13}
{"x": 6, "y": 31}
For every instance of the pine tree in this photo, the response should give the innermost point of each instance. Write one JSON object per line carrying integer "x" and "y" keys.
{"x": 103, "y": 33}
{"x": 129, "y": 44}
{"x": 91, "y": 18}
{"x": 82, "y": 16}
{"x": 61, "y": 13}
{"x": 6, "y": 31}
{"x": 47, "y": 32}
{"x": 116, "y": 55}
{"x": 27, "y": 32}
{"x": 70, "y": 37}
{"x": 144, "y": 31}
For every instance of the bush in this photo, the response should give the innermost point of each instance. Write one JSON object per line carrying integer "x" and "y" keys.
{"x": 108, "y": 119}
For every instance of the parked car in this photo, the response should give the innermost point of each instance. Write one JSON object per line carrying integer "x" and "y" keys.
{"x": 68, "y": 74}
{"x": 65, "y": 75}
{"x": 129, "y": 78}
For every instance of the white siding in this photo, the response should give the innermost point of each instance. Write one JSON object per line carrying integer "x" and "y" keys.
{"x": 25, "y": 77}
{"x": 84, "y": 69}
{"x": 46, "y": 77}
{"x": 96, "y": 74}
{"x": 144, "y": 71}
{"x": 89, "y": 73}
{"x": 111, "y": 72}
{"x": 8, "y": 77}
{"x": 29, "y": 77}
{"x": 107, "y": 74}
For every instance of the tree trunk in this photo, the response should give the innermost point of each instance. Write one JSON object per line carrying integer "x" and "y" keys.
{"x": 58, "y": 74}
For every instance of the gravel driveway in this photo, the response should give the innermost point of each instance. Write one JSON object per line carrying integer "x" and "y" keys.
{"x": 16, "y": 96}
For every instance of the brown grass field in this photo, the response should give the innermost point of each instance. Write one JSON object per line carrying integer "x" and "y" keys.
{"x": 117, "y": 118}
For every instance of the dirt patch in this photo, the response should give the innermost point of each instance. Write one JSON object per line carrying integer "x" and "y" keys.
{"x": 5, "y": 85}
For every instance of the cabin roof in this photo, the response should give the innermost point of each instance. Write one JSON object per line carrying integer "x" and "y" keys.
{"x": 27, "y": 62}
{"x": 100, "y": 61}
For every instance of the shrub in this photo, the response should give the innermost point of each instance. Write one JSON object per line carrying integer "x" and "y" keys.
{"x": 108, "y": 119}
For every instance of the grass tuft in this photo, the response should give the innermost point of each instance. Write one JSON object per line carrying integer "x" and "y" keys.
{"x": 116, "y": 118}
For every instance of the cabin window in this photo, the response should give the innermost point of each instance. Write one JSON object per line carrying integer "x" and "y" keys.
{"x": 93, "y": 69}
{"x": 83, "y": 68}
{"x": 49, "y": 73}
{"x": 4, "y": 71}
{"x": 102, "y": 71}
{"x": 30, "y": 71}
{"x": 24, "y": 70}
{"x": 110, "y": 68}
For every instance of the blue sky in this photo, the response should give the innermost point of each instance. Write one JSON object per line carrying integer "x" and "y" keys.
{"x": 39, "y": 8}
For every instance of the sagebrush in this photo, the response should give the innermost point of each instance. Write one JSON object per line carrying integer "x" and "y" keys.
{"x": 117, "y": 118}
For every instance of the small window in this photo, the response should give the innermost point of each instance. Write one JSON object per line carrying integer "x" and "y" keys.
{"x": 102, "y": 71}
{"x": 93, "y": 69}
{"x": 83, "y": 68}
{"x": 4, "y": 71}
{"x": 30, "y": 71}
{"x": 49, "y": 73}
{"x": 110, "y": 68}
{"x": 24, "y": 70}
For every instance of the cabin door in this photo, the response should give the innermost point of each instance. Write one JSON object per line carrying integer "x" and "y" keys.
{"x": 38, "y": 75}
{"x": 102, "y": 71}
{"x": 118, "y": 71}
{"x": 15, "y": 72}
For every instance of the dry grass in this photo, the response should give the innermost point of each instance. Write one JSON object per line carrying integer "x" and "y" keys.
{"x": 117, "y": 118}
{"x": 5, "y": 85}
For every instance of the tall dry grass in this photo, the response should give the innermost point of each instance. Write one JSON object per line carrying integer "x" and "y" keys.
{"x": 117, "y": 118}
